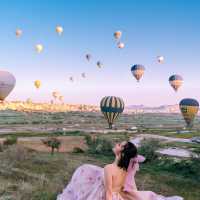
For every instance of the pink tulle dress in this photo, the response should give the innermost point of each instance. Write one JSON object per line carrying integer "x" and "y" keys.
{"x": 87, "y": 183}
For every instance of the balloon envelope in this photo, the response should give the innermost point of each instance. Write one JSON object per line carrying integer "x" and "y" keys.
{"x": 160, "y": 59}
{"x": 117, "y": 35}
{"x": 88, "y": 57}
{"x": 18, "y": 32}
{"x": 111, "y": 107}
{"x": 55, "y": 94}
{"x": 137, "y": 71}
{"x": 59, "y": 29}
{"x": 99, "y": 64}
{"x": 37, "y": 84}
{"x": 189, "y": 108}
{"x": 39, "y": 48}
{"x": 121, "y": 45}
{"x": 175, "y": 81}
{"x": 7, "y": 83}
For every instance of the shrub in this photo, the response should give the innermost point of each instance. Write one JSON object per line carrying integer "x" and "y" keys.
{"x": 78, "y": 150}
{"x": 10, "y": 140}
{"x": 99, "y": 145}
{"x": 148, "y": 149}
{"x": 53, "y": 143}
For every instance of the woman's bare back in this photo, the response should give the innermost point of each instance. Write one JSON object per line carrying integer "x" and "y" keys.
{"x": 118, "y": 177}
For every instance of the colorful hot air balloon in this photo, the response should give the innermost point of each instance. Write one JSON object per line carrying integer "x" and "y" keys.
{"x": 137, "y": 71}
{"x": 59, "y": 29}
{"x": 176, "y": 81}
{"x": 37, "y": 83}
{"x": 117, "y": 35}
{"x": 111, "y": 107}
{"x": 120, "y": 45}
{"x": 99, "y": 64}
{"x": 7, "y": 83}
{"x": 160, "y": 59}
{"x": 18, "y": 32}
{"x": 39, "y": 48}
{"x": 88, "y": 57}
{"x": 189, "y": 108}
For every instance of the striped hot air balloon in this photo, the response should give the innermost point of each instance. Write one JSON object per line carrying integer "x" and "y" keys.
{"x": 175, "y": 81}
{"x": 189, "y": 108}
{"x": 138, "y": 71}
{"x": 111, "y": 107}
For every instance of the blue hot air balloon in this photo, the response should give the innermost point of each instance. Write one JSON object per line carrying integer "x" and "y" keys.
{"x": 176, "y": 81}
{"x": 137, "y": 71}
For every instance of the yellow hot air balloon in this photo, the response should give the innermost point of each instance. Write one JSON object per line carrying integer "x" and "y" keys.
{"x": 37, "y": 83}
{"x": 117, "y": 35}
{"x": 189, "y": 108}
{"x": 59, "y": 30}
{"x": 39, "y": 48}
{"x": 18, "y": 32}
{"x": 61, "y": 98}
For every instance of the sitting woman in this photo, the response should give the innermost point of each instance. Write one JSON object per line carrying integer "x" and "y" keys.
{"x": 115, "y": 182}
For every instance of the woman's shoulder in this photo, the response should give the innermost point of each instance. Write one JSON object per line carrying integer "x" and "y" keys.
{"x": 108, "y": 168}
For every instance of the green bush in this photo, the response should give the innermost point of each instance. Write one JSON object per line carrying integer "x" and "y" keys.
{"x": 148, "y": 149}
{"x": 78, "y": 150}
{"x": 99, "y": 145}
{"x": 10, "y": 140}
{"x": 53, "y": 143}
{"x": 187, "y": 168}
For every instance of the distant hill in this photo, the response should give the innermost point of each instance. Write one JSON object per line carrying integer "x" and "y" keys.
{"x": 148, "y": 109}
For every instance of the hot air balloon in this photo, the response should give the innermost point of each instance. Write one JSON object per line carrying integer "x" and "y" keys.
{"x": 55, "y": 94}
{"x": 160, "y": 59}
{"x": 37, "y": 83}
{"x": 18, "y": 32}
{"x": 61, "y": 98}
{"x": 120, "y": 45}
{"x": 59, "y": 30}
{"x": 71, "y": 79}
{"x": 83, "y": 75}
{"x": 111, "y": 107}
{"x": 176, "y": 81}
{"x": 88, "y": 57}
{"x": 99, "y": 64}
{"x": 7, "y": 83}
{"x": 137, "y": 71}
{"x": 39, "y": 48}
{"x": 189, "y": 108}
{"x": 117, "y": 35}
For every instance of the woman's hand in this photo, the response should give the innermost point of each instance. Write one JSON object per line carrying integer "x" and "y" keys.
{"x": 108, "y": 182}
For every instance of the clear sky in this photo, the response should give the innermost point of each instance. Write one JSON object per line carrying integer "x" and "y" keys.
{"x": 150, "y": 28}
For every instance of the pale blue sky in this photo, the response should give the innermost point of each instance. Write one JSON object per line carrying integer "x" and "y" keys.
{"x": 150, "y": 28}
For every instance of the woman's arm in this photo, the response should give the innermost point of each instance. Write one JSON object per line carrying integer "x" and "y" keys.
{"x": 108, "y": 182}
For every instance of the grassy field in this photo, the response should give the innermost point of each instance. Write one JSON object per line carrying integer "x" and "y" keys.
{"x": 26, "y": 173}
